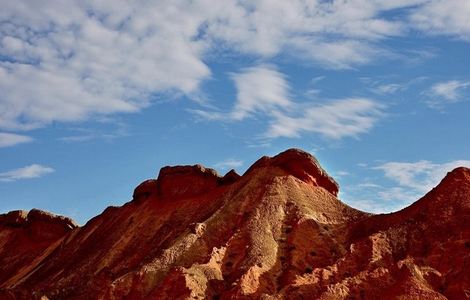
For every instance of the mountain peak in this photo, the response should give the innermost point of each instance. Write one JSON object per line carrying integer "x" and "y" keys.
{"x": 302, "y": 165}
{"x": 266, "y": 235}
{"x": 457, "y": 175}
{"x": 184, "y": 181}
{"x": 192, "y": 180}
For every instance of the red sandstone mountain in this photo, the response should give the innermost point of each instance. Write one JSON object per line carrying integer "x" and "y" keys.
{"x": 277, "y": 232}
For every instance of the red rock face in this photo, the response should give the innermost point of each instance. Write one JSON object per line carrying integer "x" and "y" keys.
{"x": 277, "y": 232}
{"x": 26, "y": 239}
{"x": 186, "y": 181}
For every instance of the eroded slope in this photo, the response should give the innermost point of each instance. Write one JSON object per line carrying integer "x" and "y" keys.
{"x": 277, "y": 232}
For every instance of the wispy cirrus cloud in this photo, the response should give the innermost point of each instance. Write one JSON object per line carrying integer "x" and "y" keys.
{"x": 390, "y": 85}
{"x": 420, "y": 176}
{"x": 261, "y": 89}
{"x": 28, "y": 172}
{"x": 409, "y": 182}
{"x": 336, "y": 119}
{"x": 264, "y": 90}
{"x": 11, "y": 139}
{"x": 114, "y": 130}
{"x": 389, "y": 88}
{"x": 447, "y": 92}
{"x": 229, "y": 164}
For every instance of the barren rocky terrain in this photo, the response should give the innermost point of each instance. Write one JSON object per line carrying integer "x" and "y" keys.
{"x": 277, "y": 232}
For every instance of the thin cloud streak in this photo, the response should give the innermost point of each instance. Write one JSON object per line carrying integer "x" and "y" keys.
{"x": 389, "y": 89}
{"x": 11, "y": 139}
{"x": 229, "y": 164}
{"x": 28, "y": 172}
{"x": 449, "y": 91}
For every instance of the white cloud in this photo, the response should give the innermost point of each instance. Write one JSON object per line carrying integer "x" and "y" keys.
{"x": 368, "y": 185}
{"x": 376, "y": 198}
{"x": 388, "y": 89}
{"x": 73, "y": 60}
{"x": 448, "y": 90}
{"x": 229, "y": 164}
{"x": 69, "y": 61}
{"x": 31, "y": 171}
{"x": 342, "y": 54}
{"x": 335, "y": 120}
{"x": 448, "y": 17}
{"x": 340, "y": 173}
{"x": 260, "y": 89}
{"x": 265, "y": 90}
{"x": 373, "y": 206}
{"x": 89, "y": 137}
{"x": 411, "y": 181}
{"x": 419, "y": 176}
{"x": 386, "y": 85}
{"x": 326, "y": 32}
{"x": 399, "y": 196}
{"x": 11, "y": 139}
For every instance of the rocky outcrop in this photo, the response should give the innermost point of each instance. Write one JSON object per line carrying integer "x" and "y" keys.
{"x": 26, "y": 238}
{"x": 302, "y": 165}
{"x": 183, "y": 181}
{"x": 38, "y": 223}
{"x": 277, "y": 232}
{"x": 145, "y": 189}
{"x": 14, "y": 218}
{"x": 186, "y": 181}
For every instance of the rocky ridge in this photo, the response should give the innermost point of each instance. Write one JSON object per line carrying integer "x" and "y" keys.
{"x": 277, "y": 232}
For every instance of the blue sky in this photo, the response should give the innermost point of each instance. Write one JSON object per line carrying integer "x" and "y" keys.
{"x": 97, "y": 96}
